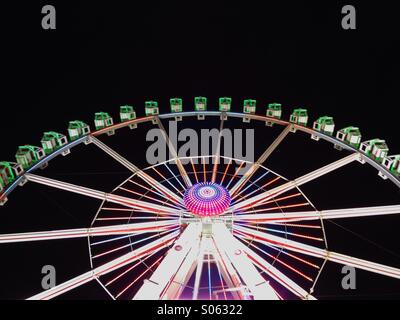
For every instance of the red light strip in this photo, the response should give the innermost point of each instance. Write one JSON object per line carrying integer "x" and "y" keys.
{"x": 169, "y": 182}
{"x": 281, "y": 262}
{"x": 194, "y": 171}
{"x": 148, "y": 197}
{"x": 236, "y": 172}
{"x": 262, "y": 187}
{"x": 129, "y": 269}
{"x": 277, "y": 207}
{"x": 141, "y": 275}
{"x": 226, "y": 170}
{"x": 204, "y": 169}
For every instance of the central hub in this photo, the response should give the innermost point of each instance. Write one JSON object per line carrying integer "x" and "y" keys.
{"x": 207, "y": 199}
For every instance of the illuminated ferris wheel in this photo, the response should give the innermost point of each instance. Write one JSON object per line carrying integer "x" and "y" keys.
{"x": 195, "y": 227}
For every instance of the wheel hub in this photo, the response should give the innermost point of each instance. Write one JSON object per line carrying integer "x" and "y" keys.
{"x": 207, "y": 199}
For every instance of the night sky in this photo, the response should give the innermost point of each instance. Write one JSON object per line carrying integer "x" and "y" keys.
{"x": 102, "y": 56}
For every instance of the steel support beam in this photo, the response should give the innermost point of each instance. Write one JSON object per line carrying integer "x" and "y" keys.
{"x": 128, "y": 202}
{"x": 266, "y": 238}
{"x": 168, "y": 279}
{"x": 249, "y": 173}
{"x": 265, "y": 196}
{"x": 316, "y": 215}
{"x": 179, "y": 164}
{"x": 132, "y": 228}
{"x": 134, "y": 169}
{"x": 113, "y": 265}
{"x": 224, "y": 241}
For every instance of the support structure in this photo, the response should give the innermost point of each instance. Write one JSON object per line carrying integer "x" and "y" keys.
{"x": 113, "y": 265}
{"x": 181, "y": 168}
{"x": 217, "y": 151}
{"x": 202, "y": 242}
{"x": 265, "y": 196}
{"x": 295, "y": 246}
{"x": 249, "y": 173}
{"x": 132, "y": 228}
{"x": 316, "y": 215}
{"x": 128, "y": 202}
{"x": 168, "y": 281}
{"x": 134, "y": 169}
{"x": 255, "y": 284}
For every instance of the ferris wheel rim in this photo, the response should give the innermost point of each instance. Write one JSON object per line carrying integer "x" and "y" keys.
{"x": 355, "y": 154}
{"x": 395, "y": 180}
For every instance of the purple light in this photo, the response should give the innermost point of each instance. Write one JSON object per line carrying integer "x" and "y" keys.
{"x": 207, "y": 199}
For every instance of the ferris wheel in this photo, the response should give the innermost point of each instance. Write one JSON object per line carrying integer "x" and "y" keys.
{"x": 194, "y": 227}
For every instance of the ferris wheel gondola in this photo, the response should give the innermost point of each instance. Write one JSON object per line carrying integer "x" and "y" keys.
{"x": 193, "y": 227}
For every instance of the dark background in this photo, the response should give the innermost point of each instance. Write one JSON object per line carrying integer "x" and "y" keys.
{"x": 108, "y": 54}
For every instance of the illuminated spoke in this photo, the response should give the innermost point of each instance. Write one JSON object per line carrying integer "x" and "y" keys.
{"x": 232, "y": 254}
{"x": 254, "y": 183}
{"x": 147, "y": 188}
{"x": 131, "y": 167}
{"x": 275, "y": 258}
{"x": 163, "y": 202}
{"x": 199, "y": 269}
{"x": 240, "y": 255}
{"x": 236, "y": 173}
{"x": 217, "y": 151}
{"x": 165, "y": 282}
{"x": 176, "y": 178}
{"x": 285, "y": 232}
{"x": 256, "y": 190}
{"x": 226, "y": 170}
{"x": 249, "y": 173}
{"x": 102, "y": 254}
{"x": 128, "y": 202}
{"x": 171, "y": 147}
{"x": 129, "y": 269}
{"x": 113, "y": 265}
{"x": 204, "y": 170}
{"x": 134, "y": 228}
{"x": 317, "y": 252}
{"x": 165, "y": 179}
{"x": 275, "y": 201}
{"x": 194, "y": 170}
{"x": 138, "y": 277}
{"x": 316, "y": 215}
{"x": 265, "y": 196}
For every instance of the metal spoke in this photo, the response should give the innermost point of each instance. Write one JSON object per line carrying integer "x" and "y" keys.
{"x": 122, "y": 125}
{"x": 134, "y": 169}
{"x": 273, "y": 272}
{"x": 259, "y": 199}
{"x": 217, "y": 151}
{"x": 253, "y": 183}
{"x": 249, "y": 173}
{"x": 171, "y": 147}
{"x": 199, "y": 269}
{"x": 317, "y": 252}
{"x": 231, "y": 247}
{"x": 133, "y": 228}
{"x": 115, "y": 264}
{"x": 128, "y": 202}
{"x": 316, "y": 215}
{"x": 175, "y": 269}
{"x": 233, "y": 254}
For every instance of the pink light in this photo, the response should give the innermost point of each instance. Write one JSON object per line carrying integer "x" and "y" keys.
{"x": 207, "y": 199}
